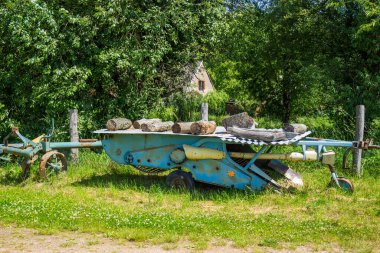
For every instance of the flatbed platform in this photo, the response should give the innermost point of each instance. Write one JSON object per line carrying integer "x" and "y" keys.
{"x": 220, "y": 133}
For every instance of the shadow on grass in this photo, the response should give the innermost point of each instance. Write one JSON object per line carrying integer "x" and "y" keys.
{"x": 123, "y": 181}
{"x": 11, "y": 174}
{"x": 156, "y": 183}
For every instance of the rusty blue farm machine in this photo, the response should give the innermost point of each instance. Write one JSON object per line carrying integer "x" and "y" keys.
{"x": 233, "y": 160}
{"x": 52, "y": 160}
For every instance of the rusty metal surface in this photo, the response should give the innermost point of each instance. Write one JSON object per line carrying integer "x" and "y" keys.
{"x": 51, "y": 162}
{"x": 88, "y": 140}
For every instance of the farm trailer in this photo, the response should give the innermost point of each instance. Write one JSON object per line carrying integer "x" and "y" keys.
{"x": 219, "y": 159}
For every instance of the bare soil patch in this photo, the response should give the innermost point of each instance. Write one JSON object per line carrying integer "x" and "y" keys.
{"x": 17, "y": 240}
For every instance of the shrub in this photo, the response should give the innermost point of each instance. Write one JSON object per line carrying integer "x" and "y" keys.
{"x": 216, "y": 102}
{"x": 166, "y": 113}
{"x": 374, "y": 130}
{"x": 187, "y": 106}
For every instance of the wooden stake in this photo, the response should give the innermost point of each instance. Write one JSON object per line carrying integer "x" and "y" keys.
{"x": 74, "y": 136}
{"x": 359, "y": 135}
{"x": 204, "y": 111}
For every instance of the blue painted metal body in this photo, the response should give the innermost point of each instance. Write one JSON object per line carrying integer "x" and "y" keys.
{"x": 153, "y": 150}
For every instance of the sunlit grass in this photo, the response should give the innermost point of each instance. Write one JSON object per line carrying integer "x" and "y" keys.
{"x": 100, "y": 196}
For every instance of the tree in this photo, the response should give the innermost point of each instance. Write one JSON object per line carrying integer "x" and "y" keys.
{"x": 106, "y": 58}
{"x": 302, "y": 57}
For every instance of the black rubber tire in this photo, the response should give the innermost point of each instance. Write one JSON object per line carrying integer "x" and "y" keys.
{"x": 344, "y": 184}
{"x": 180, "y": 180}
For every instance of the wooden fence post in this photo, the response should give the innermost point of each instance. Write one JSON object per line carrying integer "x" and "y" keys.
{"x": 359, "y": 135}
{"x": 74, "y": 137}
{"x": 204, "y": 111}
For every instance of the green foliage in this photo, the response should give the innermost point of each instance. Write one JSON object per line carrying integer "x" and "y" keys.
{"x": 99, "y": 196}
{"x": 322, "y": 127}
{"x": 216, "y": 102}
{"x": 164, "y": 112}
{"x": 105, "y": 58}
{"x": 277, "y": 59}
{"x": 374, "y": 130}
{"x": 187, "y": 106}
{"x": 302, "y": 58}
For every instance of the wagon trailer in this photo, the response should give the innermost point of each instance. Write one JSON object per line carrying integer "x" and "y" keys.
{"x": 219, "y": 158}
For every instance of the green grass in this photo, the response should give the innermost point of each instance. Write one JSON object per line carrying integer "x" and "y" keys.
{"x": 99, "y": 196}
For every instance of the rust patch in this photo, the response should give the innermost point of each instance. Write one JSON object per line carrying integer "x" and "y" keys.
{"x": 88, "y": 140}
{"x": 86, "y": 144}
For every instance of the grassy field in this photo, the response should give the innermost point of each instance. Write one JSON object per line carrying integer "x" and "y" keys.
{"x": 99, "y": 196}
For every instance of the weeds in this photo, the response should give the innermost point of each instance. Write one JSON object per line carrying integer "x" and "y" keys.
{"x": 99, "y": 196}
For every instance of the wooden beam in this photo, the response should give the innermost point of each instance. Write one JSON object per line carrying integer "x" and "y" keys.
{"x": 74, "y": 136}
{"x": 359, "y": 135}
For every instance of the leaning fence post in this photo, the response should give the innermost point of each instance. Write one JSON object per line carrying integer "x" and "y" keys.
{"x": 74, "y": 137}
{"x": 359, "y": 135}
{"x": 204, "y": 111}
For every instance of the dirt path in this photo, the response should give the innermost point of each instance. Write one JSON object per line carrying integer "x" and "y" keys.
{"x": 15, "y": 240}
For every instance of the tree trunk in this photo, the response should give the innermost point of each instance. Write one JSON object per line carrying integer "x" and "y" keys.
{"x": 286, "y": 102}
{"x": 157, "y": 127}
{"x": 118, "y": 124}
{"x": 137, "y": 124}
{"x": 203, "y": 127}
{"x": 182, "y": 127}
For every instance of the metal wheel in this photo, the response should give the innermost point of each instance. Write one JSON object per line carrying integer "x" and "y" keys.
{"x": 52, "y": 162}
{"x": 180, "y": 180}
{"x": 344, "y": 184}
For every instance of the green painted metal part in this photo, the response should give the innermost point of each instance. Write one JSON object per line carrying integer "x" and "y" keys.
{"x": 30, "y": 150}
